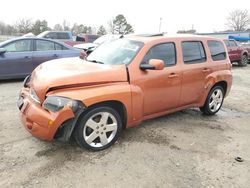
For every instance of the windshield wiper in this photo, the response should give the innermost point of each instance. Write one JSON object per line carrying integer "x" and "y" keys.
{"x": 95, "y": 61}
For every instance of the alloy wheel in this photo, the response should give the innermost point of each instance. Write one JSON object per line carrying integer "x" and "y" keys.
{"x": 100, "y": 129}
{"x": 216, "y": 99}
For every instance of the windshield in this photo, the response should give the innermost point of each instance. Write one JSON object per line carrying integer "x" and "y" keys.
{"x": 121, "y": 51}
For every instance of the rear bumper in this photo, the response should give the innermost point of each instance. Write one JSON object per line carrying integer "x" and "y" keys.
{"x": 39, "y": 122}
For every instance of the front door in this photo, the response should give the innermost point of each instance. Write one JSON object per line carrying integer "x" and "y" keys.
{"x": 161, "y": 88}
{"x": 17, "y": 60}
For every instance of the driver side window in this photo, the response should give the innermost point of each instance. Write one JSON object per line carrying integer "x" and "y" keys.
{"x": 165, "y": 52}
{"x": 19, "y": 46}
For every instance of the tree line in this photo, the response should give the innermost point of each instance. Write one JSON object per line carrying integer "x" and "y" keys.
{"x": 116, "y": 25}
{"x": 237, "y": 20}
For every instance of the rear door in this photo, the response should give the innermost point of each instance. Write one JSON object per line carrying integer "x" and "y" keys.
{"x": 195, "y": 70}
{"x": 44, "y": 51}
{"x": 64, "y": 51}
{"x": 17, "y": 60}
{"x": 233, "y": 51}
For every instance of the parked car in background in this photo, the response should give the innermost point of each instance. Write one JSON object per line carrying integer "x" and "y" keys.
{"x": 246, "y": 45}
{"x": 121, "y": 84}
{"x": 20, "y": 56}
{"x": 89, "y": 47}
{"x": 237, "y": 53}
{"x": 67, "y": 37}
{"x": 83, "y": 38}
{"x": 57, "y": 35}
{"x": 87, "y": 38}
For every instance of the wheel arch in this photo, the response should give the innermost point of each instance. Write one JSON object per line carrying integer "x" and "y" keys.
{"x": 223, "y": 84}
{"x": 116, "y": 105}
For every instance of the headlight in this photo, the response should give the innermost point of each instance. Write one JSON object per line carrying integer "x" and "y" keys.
{"x": 34, "y": 96}
{"x": 54, "y": 103}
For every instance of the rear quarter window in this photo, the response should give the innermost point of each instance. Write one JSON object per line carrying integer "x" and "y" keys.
{"x": 217, "y": 50}
{"x": 193, "y": 52}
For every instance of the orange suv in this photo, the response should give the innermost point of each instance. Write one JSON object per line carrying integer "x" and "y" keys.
{"x": 123, "y": 83}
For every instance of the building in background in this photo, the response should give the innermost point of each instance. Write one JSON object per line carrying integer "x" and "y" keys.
{"x": 225, "y": 35}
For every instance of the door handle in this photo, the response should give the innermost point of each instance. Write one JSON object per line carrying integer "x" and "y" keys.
{"x": 205, "y": 70}
{"x": 172, "y": 75}
{"x": 27, "y": 57}
{"x": 55, "y": 55}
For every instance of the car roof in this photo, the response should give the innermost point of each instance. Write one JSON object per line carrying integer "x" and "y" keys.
{"x": 153, "y": 37}
{"x": 32, "y": 38}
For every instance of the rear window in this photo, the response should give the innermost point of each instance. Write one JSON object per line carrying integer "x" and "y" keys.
{"x": 193, "y": 52}
{"x": 217, "y": 50}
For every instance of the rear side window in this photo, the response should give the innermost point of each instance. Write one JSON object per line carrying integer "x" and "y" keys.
{"x": 217, "y": 50}
{"x": 60, "y": 47}
{"x": 63, "y": 36}
{"x": 51, "y": 35}
{"x": 165, "y": 52}
{"x": 42, "y": 45}
{"x": 193, "y": 52}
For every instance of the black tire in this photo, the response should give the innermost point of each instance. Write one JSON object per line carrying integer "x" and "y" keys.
{"x": 206, "y": 109}
{"x": 244, "y": 60}
{"x": 81, "y": 130}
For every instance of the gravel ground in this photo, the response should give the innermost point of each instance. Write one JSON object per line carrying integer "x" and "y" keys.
{"x": 184, "y": 149}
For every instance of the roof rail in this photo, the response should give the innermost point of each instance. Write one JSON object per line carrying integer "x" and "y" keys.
{"x": 151, "y": 34}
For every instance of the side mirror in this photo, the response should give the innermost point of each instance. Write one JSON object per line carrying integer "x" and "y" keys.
{"x": 83, "y": 54}
{"x": 153, "y": 64}
{"x": 2, "y": 51}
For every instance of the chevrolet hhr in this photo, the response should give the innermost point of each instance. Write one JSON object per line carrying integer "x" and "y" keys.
{"x": 121, "y": 84}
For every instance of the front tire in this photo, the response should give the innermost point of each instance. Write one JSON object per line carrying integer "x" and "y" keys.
{"x": 214, "y": 101}
{"x": 98, "y": 128}
{"x": 244, "y": 60}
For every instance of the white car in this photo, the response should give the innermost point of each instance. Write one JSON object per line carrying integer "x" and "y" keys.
{"x": 89, "y": 47}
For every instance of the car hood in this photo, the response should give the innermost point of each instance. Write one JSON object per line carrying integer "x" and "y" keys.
{"x": 74, "y": 72}
{"x": 85, "y": 46}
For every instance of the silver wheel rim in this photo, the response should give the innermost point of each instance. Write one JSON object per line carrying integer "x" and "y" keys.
{"x": 244, "y": 60}
{"x": 100, "y": 129}
{"x": 216, "y": 99}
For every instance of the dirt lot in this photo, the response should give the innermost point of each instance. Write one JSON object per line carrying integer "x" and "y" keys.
{"x": 184, "y": 149}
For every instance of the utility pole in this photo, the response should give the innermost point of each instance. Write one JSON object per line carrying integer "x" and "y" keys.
{"x": 160, "y": 24}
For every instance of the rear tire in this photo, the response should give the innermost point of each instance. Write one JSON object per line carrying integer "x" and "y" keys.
{"x": 98, "y": 128}
{"x": 214, "y": 101}
{"x": 244, "y": 60}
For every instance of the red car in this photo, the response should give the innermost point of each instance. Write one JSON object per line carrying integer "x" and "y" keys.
{"x": 237, "y": 53}
{"x": 82, "y": 38}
